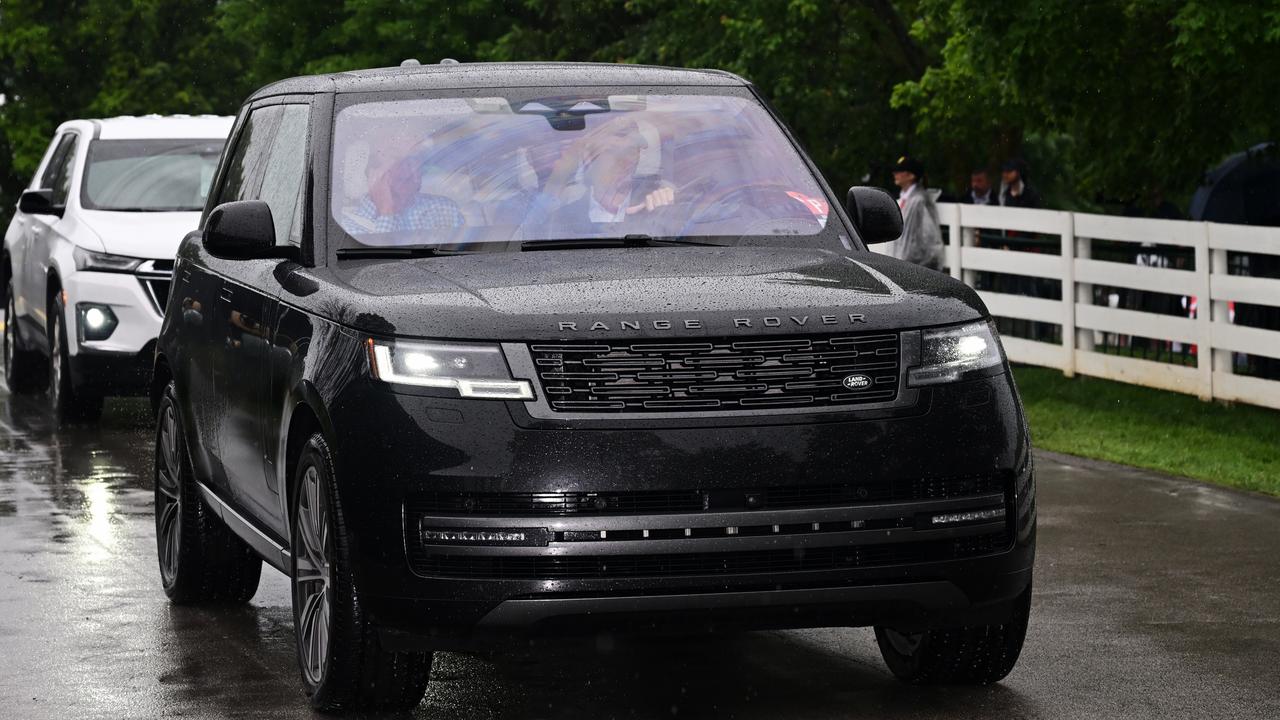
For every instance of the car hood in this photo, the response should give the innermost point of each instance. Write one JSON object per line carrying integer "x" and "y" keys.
{"x": 641, "y": 292}
{"x": 151, "y": 235}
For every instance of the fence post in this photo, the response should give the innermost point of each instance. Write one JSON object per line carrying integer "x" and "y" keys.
{"x": 955, "y": 235}
{"x": 1069, "y": 249}
{"x": 1206, "y": 310}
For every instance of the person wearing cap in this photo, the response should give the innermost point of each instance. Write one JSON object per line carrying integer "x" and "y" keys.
{"x": 921, "y": 239}
{"x": 1015, "y": 189}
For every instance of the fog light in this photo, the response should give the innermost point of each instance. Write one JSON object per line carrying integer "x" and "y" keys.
{"x": 97, "y": 322}
{"x": 967, "y": 516}
{"x": 528, "y": 537}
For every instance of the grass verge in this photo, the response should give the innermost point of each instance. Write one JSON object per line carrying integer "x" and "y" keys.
{"x": 1233, "y": 445}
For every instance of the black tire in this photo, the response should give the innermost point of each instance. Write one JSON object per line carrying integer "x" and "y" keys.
{"x": 343, "y": 666}
{"x": 23, "y": 368}
{"x": 69, "y": 404}
{"x": 974, "y": 655}
{"x": 201, "y": 560}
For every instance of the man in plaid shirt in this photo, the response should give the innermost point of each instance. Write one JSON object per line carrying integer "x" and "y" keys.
{"x": 394, "y": 202}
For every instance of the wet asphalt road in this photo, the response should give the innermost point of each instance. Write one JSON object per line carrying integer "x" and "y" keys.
{"x": 1155, "y": 597}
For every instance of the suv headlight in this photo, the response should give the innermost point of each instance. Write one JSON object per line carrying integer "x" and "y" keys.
{"x": 948, "y": 354}
{"x": 104, "y": 262}
{"x": 474, "y": 370}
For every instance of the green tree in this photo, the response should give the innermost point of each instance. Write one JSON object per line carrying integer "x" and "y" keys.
{"x": 1149, "y": 92}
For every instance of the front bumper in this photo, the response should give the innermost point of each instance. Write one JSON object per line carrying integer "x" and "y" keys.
{"x": 748, "y": 523}
{"x": 120, "y": 364}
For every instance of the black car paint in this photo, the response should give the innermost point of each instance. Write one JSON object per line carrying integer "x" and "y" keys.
{"x": 264, "y": 351}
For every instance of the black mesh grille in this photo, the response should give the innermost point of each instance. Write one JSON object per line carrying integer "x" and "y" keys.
{"x": 726, "y": 563}
{"x": 729, "y": 374}
{"x": 698, "y": 500}
{"x": 158, "y": 290}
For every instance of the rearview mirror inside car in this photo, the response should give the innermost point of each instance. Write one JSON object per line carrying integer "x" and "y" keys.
{"x": 875, "y": 214}
{"x": 39, "y": 202}
{"x": 244, "y": 230}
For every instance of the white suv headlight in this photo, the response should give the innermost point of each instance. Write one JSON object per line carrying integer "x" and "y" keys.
{"x": 474, "y": 370}
{"x": 104, "y": 262}
{"x": 948, "y": 354}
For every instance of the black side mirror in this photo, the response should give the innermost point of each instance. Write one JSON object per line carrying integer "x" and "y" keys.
{"x": 244, "y": 230}
{"x": 39, "y": 202}
{"x": 877, "y": 216}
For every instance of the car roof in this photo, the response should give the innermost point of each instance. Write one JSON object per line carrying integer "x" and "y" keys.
{"x": 154, "y": 127}
{"x": 449, "y": 76}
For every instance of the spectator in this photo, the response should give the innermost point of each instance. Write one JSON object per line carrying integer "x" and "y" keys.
{"x": 921, "y": 240}
{"x": 979, "y": 192}
{"x": 1015, "y": 187}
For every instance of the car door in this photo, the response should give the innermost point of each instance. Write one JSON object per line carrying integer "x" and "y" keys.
{"x": 270, "y": 168}
{"x": 31, "y": 262}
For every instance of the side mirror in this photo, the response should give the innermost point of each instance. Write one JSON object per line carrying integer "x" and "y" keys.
{"x": 244, "y": 230}
{"x": 39, "y": 202}
{"x": 877, "y": 216}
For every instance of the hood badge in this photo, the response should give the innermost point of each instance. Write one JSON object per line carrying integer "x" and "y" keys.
{"x": 857, "y": 382}
{"x": 697, "y": 324}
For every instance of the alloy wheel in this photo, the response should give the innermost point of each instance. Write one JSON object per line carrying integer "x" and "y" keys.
{"x": 168, "y": 498}
{"x": 312, "y": 576}
{"x": 904, "y": 643}
{"x": 55, "y": 359}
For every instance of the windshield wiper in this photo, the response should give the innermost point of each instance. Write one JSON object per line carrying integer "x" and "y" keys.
{"x": 408, "y": 251}
{"x": 633, "y": 240}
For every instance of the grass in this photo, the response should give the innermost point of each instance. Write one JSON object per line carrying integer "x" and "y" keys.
{"x": 1233, "y": 445}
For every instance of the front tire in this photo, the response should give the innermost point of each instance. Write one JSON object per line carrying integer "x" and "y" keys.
{"x": 971, "y": 655}
{"x": 343, "y": 666}
{"x": 201, "y": 560}
{"x": 22, "y": 371}
{"x": 67, "y": 402}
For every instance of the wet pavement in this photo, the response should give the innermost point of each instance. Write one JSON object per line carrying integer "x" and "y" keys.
{"x": 1155, "y": 597}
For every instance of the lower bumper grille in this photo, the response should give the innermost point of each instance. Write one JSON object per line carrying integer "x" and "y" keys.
{"x": 700, "y": 500}
{"x": 715, "y": 564}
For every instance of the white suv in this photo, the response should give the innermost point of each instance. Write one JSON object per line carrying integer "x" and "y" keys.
{"x": 87, "y": 259}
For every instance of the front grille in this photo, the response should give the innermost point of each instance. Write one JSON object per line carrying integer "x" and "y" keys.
{"x": 700, "y": 500}
{"x": 158, "y": 290}
{"x": 726, "y": 374}
{"x": 705, "y": 563}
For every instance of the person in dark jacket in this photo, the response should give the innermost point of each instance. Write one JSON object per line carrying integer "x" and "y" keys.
{"x": 979, "y": 192}
{"x": 1015, "y": 188}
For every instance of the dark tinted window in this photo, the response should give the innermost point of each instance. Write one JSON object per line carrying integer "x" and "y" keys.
{"x": 149, "y": 175}
{"x": 248, "y": 162}
{"x": 62, "y": 144}
{"x": 66, "y": 168}
{"x": 285, "y": 169}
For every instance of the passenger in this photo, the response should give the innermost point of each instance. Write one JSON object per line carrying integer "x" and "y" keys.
{"x": 395, "y": 202}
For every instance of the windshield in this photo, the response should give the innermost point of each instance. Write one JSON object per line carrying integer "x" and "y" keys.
{"x": 570, "y": 166}
{"x": 149, "y": 175}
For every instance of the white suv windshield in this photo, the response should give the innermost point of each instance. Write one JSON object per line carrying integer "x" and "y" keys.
{"x": 578, "y": 165}
{"x": 149, "y": 175}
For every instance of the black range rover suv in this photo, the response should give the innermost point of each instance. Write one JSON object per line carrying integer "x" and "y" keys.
{"x": 475, "y": 352}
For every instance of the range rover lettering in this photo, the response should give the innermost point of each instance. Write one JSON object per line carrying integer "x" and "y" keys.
{"x": 476, "y": 353}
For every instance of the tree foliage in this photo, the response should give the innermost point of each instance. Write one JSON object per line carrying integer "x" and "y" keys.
{"x": 1124, "y": 96}
{"x": 1149, "y": 92}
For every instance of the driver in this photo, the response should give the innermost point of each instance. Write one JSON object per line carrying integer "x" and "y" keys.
{"x": 606, "y": 159}
{"x": 394, "y": 201}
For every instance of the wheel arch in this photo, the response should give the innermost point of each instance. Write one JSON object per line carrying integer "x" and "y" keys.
{"x": 305, "y": 418}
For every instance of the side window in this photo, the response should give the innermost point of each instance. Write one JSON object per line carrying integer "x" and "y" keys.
{"x": 63, "y": 145}
{"x": 66, "y": 169}
{"x": 286, "y": 169}
{"x": 248, "y": 161}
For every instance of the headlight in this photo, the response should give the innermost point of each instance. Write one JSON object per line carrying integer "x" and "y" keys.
{"x": 947, "y": 354}
{"x": 474, "y": 370}
{"x": 96, "y": 322}
{"x": 103, "y": 262}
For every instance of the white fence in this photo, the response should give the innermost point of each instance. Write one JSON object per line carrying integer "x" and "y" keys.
{"x": 1210, "y": 339}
